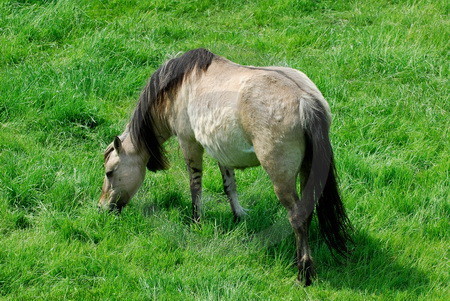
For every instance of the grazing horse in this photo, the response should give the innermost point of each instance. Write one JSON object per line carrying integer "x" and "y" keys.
{"x": 242, "y": 116}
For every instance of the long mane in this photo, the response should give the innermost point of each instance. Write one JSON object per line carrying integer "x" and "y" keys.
{"x": 163, "y": 84}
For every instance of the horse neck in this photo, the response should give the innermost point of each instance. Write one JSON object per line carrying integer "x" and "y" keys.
{"x": 131, "y": 149}
{"x": 161, "y": 124}
{"x": 165, "y": 114}
{"x": 175, "y": 106}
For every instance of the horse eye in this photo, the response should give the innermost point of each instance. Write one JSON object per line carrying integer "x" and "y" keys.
{"x": 109, "y": 174}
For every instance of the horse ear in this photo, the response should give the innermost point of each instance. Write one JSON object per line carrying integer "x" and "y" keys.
{"x": 117, "y": 144}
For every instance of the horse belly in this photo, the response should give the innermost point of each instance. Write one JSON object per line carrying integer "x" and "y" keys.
{"x": 234, "y": 155}
{"x": 223, "y": 139}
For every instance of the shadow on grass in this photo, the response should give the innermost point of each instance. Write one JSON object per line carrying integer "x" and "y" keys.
{"x": 165, "y": 201}
{"x": 372, "y": 267}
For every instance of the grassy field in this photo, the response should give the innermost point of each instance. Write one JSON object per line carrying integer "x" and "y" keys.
{"x": 70, "y": 75}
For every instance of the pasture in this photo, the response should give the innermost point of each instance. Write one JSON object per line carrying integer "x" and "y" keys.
{"x": 70, "y": 75}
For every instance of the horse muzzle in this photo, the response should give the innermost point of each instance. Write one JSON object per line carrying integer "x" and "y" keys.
{"x": 111, "y": 203}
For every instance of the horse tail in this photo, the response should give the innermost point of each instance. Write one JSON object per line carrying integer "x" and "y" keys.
{"x": 321, "y": 188}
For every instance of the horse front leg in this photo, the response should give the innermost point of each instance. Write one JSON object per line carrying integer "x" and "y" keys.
{"x": 193, "y": 155}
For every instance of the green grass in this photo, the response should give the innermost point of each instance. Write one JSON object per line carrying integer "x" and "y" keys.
{"x": 70, "y": 75}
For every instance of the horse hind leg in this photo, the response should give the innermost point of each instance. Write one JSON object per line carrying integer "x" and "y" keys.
{"x": 306, "y": 271}
{"x": 229, "y": 187}
{"x": 300, "y": 221}
{"x": 282, "y": 163}
{"x": 300, "y": 224}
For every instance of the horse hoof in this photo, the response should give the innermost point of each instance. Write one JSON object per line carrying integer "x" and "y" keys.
{"x": 306, "y": 272}
{"x": 240, "y": 214}
{"x": 196, "y": 219}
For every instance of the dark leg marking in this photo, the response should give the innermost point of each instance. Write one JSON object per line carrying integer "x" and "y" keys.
{"x": 193, "y": 153}
{"x": 195, "y": 175}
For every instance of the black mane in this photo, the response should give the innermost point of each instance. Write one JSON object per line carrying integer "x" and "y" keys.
{"x": 163, "y": 84}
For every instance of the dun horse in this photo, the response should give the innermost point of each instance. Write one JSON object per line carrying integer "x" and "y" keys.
{"x": 242, "y": 116}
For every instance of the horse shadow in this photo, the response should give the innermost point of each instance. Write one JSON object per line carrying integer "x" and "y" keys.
{"x": 166, "y": 201}
{"x": 372, "y": 268}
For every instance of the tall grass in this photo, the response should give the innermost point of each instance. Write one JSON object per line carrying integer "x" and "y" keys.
{"x": 70, "y": 75}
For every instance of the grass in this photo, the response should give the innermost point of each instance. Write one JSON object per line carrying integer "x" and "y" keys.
{"x": 70, "y": 75}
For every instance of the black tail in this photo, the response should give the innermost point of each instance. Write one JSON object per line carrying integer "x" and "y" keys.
{"x": 321, "y": 187}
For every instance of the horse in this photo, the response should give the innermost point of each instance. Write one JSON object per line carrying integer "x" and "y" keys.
{"x": 243, "y": 116}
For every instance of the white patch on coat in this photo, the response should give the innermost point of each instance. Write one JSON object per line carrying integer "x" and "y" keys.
{"x": 219, "y": 131}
